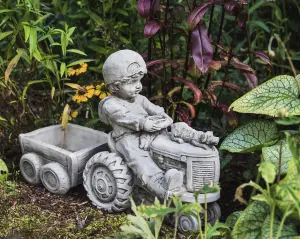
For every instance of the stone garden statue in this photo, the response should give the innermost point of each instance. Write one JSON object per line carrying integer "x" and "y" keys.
{"x": 136, "y": 122}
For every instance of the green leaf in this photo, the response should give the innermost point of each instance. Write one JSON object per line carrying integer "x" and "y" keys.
{"x": 80, "y": 61}
{"x": 250, "y": 137}
{"x": 288, "y": 120}
{"x": 268, "y": 171}
{"x": 271, "y": 154}
{"x": 5, "y": 34}
{"x": 97, "y": 19}
{"x": 76, "y": 51}
{"x": 3, "y": 171}
{"x": 260, "y": 24}
{"x": 62, "y": 68}
{"x": 232, "y": 218}
{"x": 52, "y": 92}
{"x": 271, "y": 98}
{"x": 258, "y": 4}
{"x": 250, "y": 221}
{"x": 26, "y": 32}
{"x": 2, "y": 119}
{"x": 32, "y": 41}
{"x": 288, "y": 231}
{"x": 121, "y": 11}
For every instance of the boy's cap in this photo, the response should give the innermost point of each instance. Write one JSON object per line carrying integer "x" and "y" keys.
{"x": 122, "y": 64}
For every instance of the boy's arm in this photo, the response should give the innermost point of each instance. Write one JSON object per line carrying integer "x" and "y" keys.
{"x": 151, "y": 108}
{"x": 122, "y": 116}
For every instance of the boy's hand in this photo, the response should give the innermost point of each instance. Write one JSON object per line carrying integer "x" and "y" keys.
{"x": 150, "y": 125}
{"x": 157, "y": 122}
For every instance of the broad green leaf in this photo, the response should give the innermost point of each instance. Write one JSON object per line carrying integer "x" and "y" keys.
{"x": 250, "y": 137}
{"x": 3, "y": 171}
{"x": 250, "y": 221}
{"x": 268, "y": 171}
{"x": 271, "y": 154}
{"x": 271, "y": 98}
{"x": 80, "y": 61}
{"x": 232, "y": 219}
{"x": 76, "y": 51}
{"x": 5, "y": 34}
{"x": 288, "y": 231}
{"x": 37, "y": 54}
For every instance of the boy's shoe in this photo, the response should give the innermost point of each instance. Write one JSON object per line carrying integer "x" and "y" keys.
{"x": 174, "y": 179}
{"x": 157, "y": 186}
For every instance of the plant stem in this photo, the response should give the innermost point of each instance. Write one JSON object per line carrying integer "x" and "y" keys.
{"x": 279, "y": 162}
{"x": 285, "y": 215}
{"x": 272, "y": 220}
{"x": 253, "y": 192}
{"x": 176, "y": 225}
{"x": 227, "y": 66}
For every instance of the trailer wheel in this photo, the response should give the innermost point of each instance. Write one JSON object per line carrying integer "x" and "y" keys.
{"x": 30, "y": 165}
{"x": 108, "y": 182}
{"x": 55, "y": 178}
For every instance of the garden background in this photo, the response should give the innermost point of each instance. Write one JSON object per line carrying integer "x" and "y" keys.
{"x": 201, "y": 57}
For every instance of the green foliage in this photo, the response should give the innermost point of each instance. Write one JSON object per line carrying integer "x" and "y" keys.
{"x": 271, "y": 98}
{"x": 148, "y": 220}
{"x": 250, "y": 221}
{"x": 250, "y": 137}
{"x": 276, "y": 153}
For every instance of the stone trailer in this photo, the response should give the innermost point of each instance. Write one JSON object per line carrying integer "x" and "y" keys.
{"x": 57, "y": 158}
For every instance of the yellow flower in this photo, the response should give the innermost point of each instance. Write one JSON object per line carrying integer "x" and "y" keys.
{"x": 74, "y": 114}
{"x": 79, "y": 97}
{"x": 90, "y": 91}
{"x": 72, "y": 71}
{"x": 101, "y": 91}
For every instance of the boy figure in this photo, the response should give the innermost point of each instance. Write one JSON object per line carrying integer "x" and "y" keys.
{"x": 136, "y": 121}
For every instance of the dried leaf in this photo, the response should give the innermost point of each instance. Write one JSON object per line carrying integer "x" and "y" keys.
{"x": 12, "y": 64}
{"x": 202, "y": 51}
{"x": 65, "y": 117}
{"x": 151, "y": 28}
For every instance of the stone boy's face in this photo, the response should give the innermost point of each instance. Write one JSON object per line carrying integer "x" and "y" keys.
{"x": 130, "y": 89}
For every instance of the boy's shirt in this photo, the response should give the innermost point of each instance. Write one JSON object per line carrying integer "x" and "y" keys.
{"x": 126, "y": 117}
